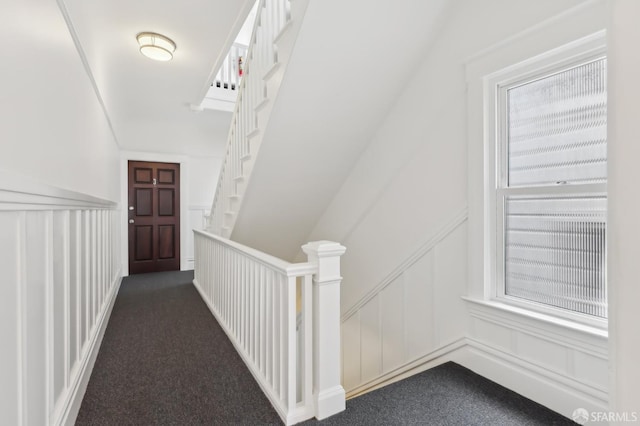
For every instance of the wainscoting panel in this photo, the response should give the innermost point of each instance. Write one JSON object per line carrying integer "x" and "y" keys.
{"x": 393, "y": 334}
{"x": 35, "y": 292}
{"x": 351, "y": 352}
{"x": 561, "y": 368}
{"x": 593, "y": 370}
{"x": 60, "y": 310}
{"x": 59, "y": 260}
{"x": 418, "y": 288}
{"x": 450, "y": 278}
{"x": 197, "y": 220}
{"x": 543, "y": 352}
{"x": 415, "y": 314}
{"x": 370, "y": 340}
{"x": 10, "y": 321}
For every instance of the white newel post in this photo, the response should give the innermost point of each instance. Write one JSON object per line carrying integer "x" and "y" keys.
{"x": 329, "y": 395}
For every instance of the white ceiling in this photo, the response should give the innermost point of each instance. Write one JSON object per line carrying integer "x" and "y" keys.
{"x": 148, "y": 102}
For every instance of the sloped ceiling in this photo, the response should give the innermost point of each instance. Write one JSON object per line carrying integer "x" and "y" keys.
{"x": 350, "y": 63}
{"x": 148, "y": 102}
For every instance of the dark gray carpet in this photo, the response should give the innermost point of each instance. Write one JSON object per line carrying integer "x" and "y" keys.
{"x": 164, "y": 360}
{"x": 445, "y": 395}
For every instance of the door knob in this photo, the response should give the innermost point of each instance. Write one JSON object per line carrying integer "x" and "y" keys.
{"x": 131, "y": 220}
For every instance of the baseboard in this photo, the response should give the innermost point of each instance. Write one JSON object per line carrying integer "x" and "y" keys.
{"x": 425, "y": 362}
{"x": 553, "y": 390}
{"x": 79, "y": 383}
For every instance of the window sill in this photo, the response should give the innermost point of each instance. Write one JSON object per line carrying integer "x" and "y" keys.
{"x": 559, "y": 330}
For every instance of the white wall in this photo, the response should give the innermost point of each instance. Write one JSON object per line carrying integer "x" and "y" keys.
{"x": 59, "y": 256}
{"x": 560, "y": 364}
{"x": 52, "y": 127}
{"x": 624, "y": 204}
{"x": 203, "y": 179}
{"x": 413, "y": 175}
{"x": 414, "y": 315}
{"x": 406, "y": 188}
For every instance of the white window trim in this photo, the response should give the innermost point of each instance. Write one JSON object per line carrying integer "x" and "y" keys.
{"x": 485, "y": 81}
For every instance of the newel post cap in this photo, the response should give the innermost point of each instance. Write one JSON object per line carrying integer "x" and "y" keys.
{"x": 326, "y": 254}
{"x": 324, "y": 249}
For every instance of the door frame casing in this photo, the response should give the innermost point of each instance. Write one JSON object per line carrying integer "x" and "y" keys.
{"x": 183, "y": 160}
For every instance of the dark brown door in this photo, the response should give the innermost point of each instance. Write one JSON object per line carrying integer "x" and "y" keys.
{"x": 154, "y": 217}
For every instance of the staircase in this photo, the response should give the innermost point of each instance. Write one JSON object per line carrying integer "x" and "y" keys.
{"x": 275, "y": 31}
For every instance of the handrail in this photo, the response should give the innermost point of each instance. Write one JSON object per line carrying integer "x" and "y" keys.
{"x": 275, "y": 320}
{"x": 291, "y": 269}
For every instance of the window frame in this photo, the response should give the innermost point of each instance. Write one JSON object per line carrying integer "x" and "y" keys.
{"x": 496, "y": 86}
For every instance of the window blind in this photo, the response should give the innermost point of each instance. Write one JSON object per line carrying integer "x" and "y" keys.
{"x": 555, "y": 252}
{"x": 557, "y": 128}
{"x": 555, "y": 243}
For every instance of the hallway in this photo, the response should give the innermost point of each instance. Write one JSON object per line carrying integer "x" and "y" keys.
{"x": 164, "y": 360}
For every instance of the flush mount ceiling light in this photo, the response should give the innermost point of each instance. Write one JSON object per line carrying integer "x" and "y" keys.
{"x": 156, "y": 46}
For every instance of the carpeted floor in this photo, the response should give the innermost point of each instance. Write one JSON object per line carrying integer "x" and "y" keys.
{"x": 445, "y": 395}
{"x": 164, "y": 360}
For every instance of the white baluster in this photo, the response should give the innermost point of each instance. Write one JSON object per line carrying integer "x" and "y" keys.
{"x": 290, "y": 309}
{"x": 261, "y": 325}
{"x": 268, "y": 327}
{"x": 306, "y": 337}
{"x": 283, "y": 339}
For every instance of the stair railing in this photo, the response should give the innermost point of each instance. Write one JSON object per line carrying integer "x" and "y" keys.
{"x": 283, "y": 319}
{"x": 232, "y": 69}
{"x": 269, "y": 48}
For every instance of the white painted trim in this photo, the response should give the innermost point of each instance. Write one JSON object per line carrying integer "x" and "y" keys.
{"x": 22, "y": 318}
{"x": 569, "y": 36}
{"x": 566, "y": 333}
{"x": 67, "y": 297}
{"x": 329, "y": 402}
{"x": 19, "y": 192}
{"x": 79, "y": 386}
{"x": 553, "y": 390}
{"x": 49, "y": 314}
{"x": 291, "y": 269}
{"x": 623, "y": 204}
{"x": 503, "y": 368}
{"x": 443, "y": 232}
{"x": 533, "y": 30}
{"x": 569, "y": 54}
{"x": 183, "y": 160}
{"x": 425, "y": 362}
{"x": 218, "y": 104}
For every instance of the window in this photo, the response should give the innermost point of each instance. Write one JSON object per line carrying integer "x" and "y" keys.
{"x": 550, "y": 193}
